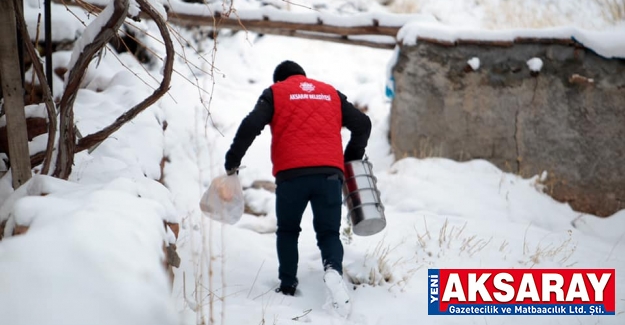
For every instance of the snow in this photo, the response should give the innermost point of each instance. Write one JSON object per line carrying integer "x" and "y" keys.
{"x": 90, "y": 262}
{"x": 474, "y": 62}
{"x": 31, "y": 111}
{"x": 594, "y": 40}
{"x": 66, "y": 24}
{"x": 449, "y": 20}
{"x": 298, "y": 14}
{"x": 535, "y": 64}
{"x": 93, "y": 252}
{"x": 608, "y": 42}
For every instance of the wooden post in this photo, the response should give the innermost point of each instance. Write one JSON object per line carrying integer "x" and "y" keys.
{"x": 13, "y": 91}
{"x": 48, "y": 36}
{"x": 20, "y": 43}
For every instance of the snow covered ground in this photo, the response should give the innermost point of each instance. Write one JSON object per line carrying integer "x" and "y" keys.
{"x": 92, "y": 252}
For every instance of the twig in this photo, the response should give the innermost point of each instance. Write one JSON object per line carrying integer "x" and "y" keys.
{"x": 306, "y": 312}
{"x": 142, "y": 66}
{"x": 129, "y": 51}
{"x": 442, "y": 235}
{"x": 94, "y": 10}
{"x": 255, "y": 278}
{"x": 186, "y": 61}
{"x": 613, "y": 247}
{"x": 525, "y": 238}
{"x": 223, "y": 275}
{"x": 160, "y": 58}
{"x": 32, "y": 80}
{"x": 299, "y": 5}
{"x": 73, "y": 14}
{"x": 262, "y": 294}
{"x": 174, "y": 32}
{"x": 461, "y": 229}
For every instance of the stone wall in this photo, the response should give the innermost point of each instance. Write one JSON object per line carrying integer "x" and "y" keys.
{"x": 568, "y": 119}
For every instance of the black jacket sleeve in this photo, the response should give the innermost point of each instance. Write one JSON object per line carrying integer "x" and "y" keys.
{"x": 359, "y": 124}
{"x": 250, "y": 127}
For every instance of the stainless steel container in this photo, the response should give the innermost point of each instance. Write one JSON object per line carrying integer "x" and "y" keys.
{"x": 362, "y": 198}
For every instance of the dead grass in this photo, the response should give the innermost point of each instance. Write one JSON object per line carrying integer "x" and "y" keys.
{"x": 452, "y": 239}
{"x": 404, "y": 6}
{"x": 347, "y": 235}
{"x": 447, "y": 236}
{"x": 559, "y": 253}
{"x": 612, "y": 10}
{"x": 548, "y": 181}
{"x": 377, "y": 266}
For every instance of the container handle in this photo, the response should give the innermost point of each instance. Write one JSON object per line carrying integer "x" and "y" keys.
{"x": 378, "y": 205}
{"x": 364, "y": 188}
{"x": 365, "y": 204}
{"x": 375, "y": 179}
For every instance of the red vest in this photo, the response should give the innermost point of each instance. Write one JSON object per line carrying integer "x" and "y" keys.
{"x": 306, "y": 125}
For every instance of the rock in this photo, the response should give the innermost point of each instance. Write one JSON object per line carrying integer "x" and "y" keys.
{"x": 20, "y": 230}
{"x": 567, "y": 120}
{"x": 266, "y": 185}
{"x": 172, "y": 256}
{"x": 2, "y": 226}
{"x": 259, "y": 198}
{"x": 175, "y": 228}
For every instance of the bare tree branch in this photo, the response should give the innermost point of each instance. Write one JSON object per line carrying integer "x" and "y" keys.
{"x": 47, "y": 93}
{"x": 67, "y": 136}
{"x": 95, "y": 138}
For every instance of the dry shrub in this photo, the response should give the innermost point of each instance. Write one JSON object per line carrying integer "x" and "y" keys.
{"x": 375, "y": 269}
{"x": 559, "y": 253}
{"x": 404, "y": 6}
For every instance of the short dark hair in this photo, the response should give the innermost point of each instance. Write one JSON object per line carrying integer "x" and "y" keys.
{"x": 286, "y": 69}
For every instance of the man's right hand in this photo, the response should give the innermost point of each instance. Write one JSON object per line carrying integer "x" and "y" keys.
{"x": 232, "y": 171}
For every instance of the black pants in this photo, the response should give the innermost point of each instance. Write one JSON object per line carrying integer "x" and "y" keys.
{"x": 292, "y": 196}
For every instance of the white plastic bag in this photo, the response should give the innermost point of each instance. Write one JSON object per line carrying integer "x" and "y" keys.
{"x": 223, "y": 201}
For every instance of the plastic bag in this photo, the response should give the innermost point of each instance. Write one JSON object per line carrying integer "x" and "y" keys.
{"x": 223, "y": 201}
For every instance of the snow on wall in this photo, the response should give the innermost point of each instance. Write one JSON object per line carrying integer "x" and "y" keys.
{"x": 609, "y": 43}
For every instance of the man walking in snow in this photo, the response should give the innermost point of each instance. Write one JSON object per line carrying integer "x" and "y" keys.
{"x": 305, "y": 116}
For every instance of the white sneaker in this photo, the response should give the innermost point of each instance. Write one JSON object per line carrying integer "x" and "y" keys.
{"x": 337, "y": 293}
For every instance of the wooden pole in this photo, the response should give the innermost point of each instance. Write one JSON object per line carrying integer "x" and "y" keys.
{"x": 13, "y": 96}
{"x": 48, "y": 36}
{"x": 20, "y": 45}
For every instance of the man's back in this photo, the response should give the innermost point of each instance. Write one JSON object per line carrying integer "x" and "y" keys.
{"x": 306, "y": 125}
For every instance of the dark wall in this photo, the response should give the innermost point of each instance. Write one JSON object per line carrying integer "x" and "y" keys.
{"x": 556, "y": 120}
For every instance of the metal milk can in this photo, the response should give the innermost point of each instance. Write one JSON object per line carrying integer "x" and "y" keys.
{"x": 362, "y": 198}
